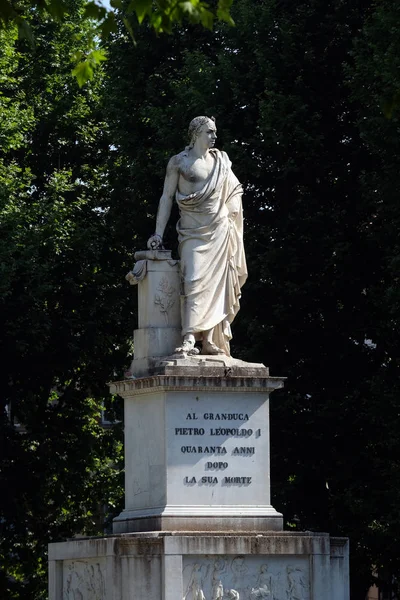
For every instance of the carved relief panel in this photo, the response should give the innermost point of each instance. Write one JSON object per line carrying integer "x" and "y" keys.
{"x": 246, "y": 578}
{"x": 84, "y": 580}
{"x": 165, "y": 298}
{"x": 158, "y": 293}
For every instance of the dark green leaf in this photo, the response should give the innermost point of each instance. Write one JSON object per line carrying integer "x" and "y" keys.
{"x": 109, "y": 25}
{"x": 129, "y": 28}
{"x": 57, "y": 9}
{"x": 94, "y": 11}
{"x": 141, "y": 8}
{"x": 25, "y": 31}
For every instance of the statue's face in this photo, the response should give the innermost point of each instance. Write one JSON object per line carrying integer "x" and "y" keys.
{"x": 208, "y": 134}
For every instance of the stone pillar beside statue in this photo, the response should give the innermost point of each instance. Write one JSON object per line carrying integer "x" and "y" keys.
{"x": 157, "y": 278}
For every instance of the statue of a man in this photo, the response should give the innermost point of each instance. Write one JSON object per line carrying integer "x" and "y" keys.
{"x": 210, "y": 233}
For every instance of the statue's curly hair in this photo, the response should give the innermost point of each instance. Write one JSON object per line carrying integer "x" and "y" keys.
{"x": 195, "y": 126}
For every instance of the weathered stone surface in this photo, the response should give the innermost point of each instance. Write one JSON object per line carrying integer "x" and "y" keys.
{"x": 161, "y": 566}
{"x": 181, "y": 380}
{"x": 178, "y": 364}
{"x": 150, "y": 343}
{"x": 210, "y": 521}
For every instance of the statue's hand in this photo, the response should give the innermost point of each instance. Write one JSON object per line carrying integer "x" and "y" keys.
{"x": 155, "y": 242}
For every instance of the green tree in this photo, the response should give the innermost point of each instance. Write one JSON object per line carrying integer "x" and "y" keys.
{"x": 62, "y": 330}
{"x": 161, "y": 15}
{"x": 375, "y": 84}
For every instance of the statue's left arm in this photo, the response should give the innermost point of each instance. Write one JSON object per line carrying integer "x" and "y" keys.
{"x": 234, "y": 203}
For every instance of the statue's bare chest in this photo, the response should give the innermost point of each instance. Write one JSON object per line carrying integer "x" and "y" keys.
{"x": 196, "y": 171}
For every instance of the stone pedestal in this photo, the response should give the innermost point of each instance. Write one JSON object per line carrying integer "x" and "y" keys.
{"x": 197, "y": 452}
{"x": 162, "y": 566}
{"x": 198, "y": 522}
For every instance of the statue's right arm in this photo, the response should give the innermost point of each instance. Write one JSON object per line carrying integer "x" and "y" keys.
{"x": 167, "y": 198}
{"x": 165, "y": 204}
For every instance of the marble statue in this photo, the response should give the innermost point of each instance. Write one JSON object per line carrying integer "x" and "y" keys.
{"x": 210, "y": 233}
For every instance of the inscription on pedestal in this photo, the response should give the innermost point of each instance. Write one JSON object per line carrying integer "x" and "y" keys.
{"x": 220, "y": 448}
{"x": 218, "y": 465}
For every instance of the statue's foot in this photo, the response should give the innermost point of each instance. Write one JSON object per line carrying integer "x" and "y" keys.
{"x": 193, "y": 352}
{"x": 187, "y": 347}
{"x": 211, "y": 348}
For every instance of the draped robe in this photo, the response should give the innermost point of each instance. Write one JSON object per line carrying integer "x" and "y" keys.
{"x": 213, "y": 264}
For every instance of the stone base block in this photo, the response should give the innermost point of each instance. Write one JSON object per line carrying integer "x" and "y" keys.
{"x": 197, "y": 448}
{"x": 158, "y": 340}
{"x": 168, "y": 566}
{"x": 127, "y": 522}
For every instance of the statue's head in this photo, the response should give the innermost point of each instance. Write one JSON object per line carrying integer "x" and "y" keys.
{"x": 195, "y": 128}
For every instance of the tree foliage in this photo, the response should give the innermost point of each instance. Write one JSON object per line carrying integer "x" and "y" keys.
{"x": 61, "y": 328}
{"x": 161, "y": 15}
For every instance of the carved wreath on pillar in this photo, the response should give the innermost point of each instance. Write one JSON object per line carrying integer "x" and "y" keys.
{"x": 165, "y": 299}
